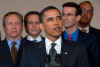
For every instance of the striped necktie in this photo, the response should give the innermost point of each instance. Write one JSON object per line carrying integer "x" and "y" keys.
{"x": 13, "y": 52}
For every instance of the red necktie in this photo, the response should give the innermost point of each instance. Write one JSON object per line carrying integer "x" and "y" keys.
{"x": 69, "y": 37}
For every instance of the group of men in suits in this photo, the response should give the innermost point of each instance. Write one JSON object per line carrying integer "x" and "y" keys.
{"x": 57, "y": 49}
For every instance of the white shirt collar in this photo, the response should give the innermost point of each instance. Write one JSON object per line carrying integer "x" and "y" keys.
{"x": 57, "y": 47}
{"x": 86, "y": 28}
{"x": 38, "y": 38}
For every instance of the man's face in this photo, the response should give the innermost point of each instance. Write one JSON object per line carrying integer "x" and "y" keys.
{"x": 33, "y": 25}
{"x": 13, "y": 26}
{"x": 69, "y": 17}
{"x": 87, "y": 14}
{"x": 52, "y": 23}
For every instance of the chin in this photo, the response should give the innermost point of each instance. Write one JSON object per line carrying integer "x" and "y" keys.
{"x": 57, "y": 35}
{"x": 13, "y": 36}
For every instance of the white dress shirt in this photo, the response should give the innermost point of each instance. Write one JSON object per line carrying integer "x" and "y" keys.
{"x": 86, "y": 28}
{"x": 17, "y": 45}
{"x": 57, "y": 46}
{"x": 38, "y": 38}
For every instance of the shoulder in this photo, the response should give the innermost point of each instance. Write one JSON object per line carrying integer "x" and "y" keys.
{"x": 94, "y": 30}
{"x": 3, "y": 43}
{"x": 86, "y": 36}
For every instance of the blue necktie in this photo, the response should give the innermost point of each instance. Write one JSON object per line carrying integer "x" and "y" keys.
{"x": 35, "y": 41}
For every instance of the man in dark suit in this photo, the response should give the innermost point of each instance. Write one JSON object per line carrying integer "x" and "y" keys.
{"x": 54, "y": 51}
{"x": 32, "y": 27}
{"x": 71, "y": 16}
{"x": 87, "y": 14}
{"x": 11, "y": 46}
{"x": 84, "y": 24}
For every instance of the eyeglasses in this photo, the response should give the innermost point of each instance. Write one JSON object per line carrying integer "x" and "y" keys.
{"x": 87, "y": 10}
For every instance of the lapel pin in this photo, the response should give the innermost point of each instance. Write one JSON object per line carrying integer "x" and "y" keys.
{"x": 66, "y": 53}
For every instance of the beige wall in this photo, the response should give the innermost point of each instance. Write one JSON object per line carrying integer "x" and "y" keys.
{"x": 24, "y": 6}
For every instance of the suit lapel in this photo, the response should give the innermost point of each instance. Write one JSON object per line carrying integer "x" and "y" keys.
{"x": 67, "y": 50}
{"x": 91, "y": 30}
{"x": 82, "y": 36}
{"x": 43, "y": 48}
{"x": 5, "y": 45}
{"x": 6, "y": 50}
{"x": 20, "y": 50}
{"x": 67, "y": 47}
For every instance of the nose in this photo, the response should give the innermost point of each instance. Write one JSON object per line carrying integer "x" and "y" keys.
{"x": 56, "y": 21}
{"x": 33, "y": 24}
{"x": 64, "y": 17}
{"x": 14, "y": 26}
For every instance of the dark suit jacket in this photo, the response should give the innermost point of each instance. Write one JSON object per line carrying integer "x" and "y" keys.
{"x": 5, "y": 56}
{"x": 89, "y": 41}
{"x": 92, "y": 47}
{"x": 96, "y": 33}
{"x": 71, "y": 55}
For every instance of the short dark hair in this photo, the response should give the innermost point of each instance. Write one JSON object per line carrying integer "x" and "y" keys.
{"x": 46, "y": 9}
{"x": 30, "y": 13}
{"x": 88, "y": 2}
{"x": 11, "y": 13}
{"x": 74, "y": 5}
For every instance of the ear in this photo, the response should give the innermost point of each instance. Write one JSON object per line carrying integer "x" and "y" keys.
{"x": 78, "y": 17}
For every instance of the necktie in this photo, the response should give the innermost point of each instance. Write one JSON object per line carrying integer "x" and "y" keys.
{"x": 52, "y": 54}
{"x": 13, "y": 52}
{"x": 69, "y": 37}
{"x": 35, "y": 41}
{"x": 83, "y": 30}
